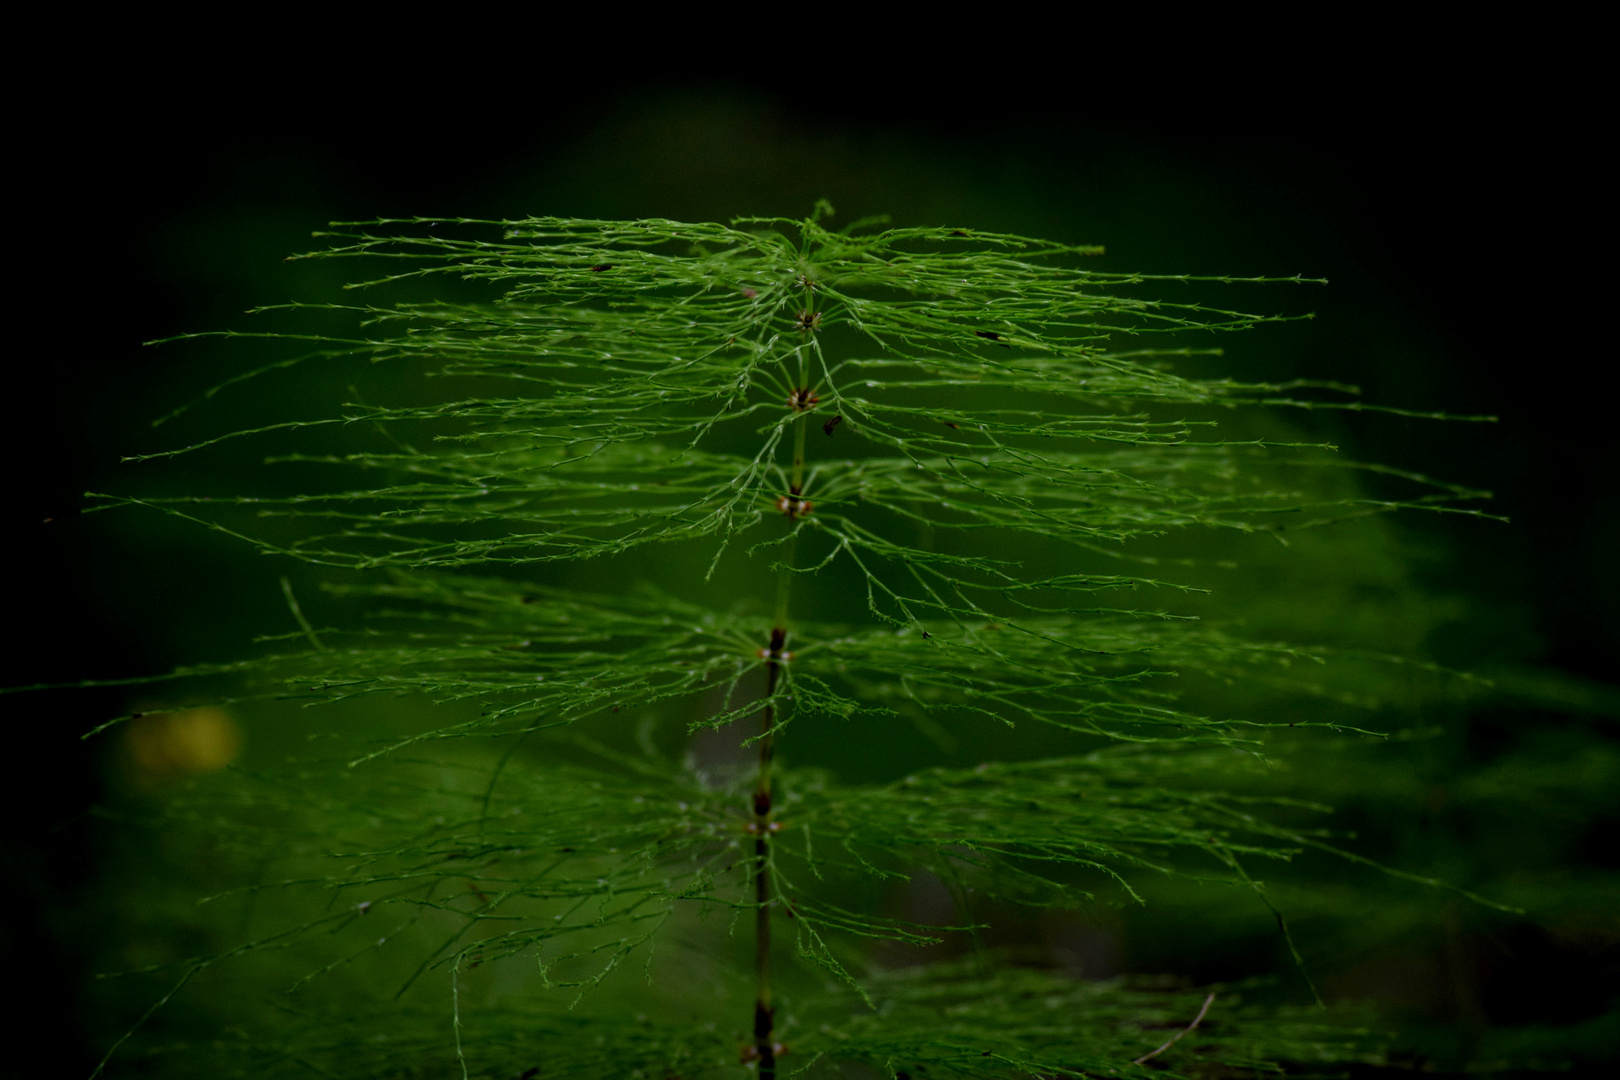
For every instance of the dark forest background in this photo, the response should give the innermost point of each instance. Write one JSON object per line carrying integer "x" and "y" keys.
{"x": 1455, "y": 219}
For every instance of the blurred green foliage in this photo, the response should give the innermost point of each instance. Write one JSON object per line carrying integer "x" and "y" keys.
{"x": 1505, "y": 792}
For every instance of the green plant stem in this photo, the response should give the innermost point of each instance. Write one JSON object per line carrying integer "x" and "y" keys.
{"x": 798, "y": 456}
{"x": 764, "y": 1043}
{"x": 763, "y": 1014}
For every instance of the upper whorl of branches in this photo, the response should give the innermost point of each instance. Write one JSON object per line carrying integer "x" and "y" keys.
{"x": 980, "y": 370}
{"x": 644, "y": 379}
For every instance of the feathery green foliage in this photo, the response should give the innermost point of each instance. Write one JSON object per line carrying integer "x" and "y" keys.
{"x": 963, "y": 455}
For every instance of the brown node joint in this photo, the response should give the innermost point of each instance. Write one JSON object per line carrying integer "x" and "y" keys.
{"x": 803, "y": 399}
{"x": 804, "y": 281}
{"x": 795, "y": 508}
{"x": 762, "y": 803}
{"x": 599, "y": 267}
{"x": 806, "y": 321}
{"x": 773, "y": 651}
{"x": 827, "y": 428}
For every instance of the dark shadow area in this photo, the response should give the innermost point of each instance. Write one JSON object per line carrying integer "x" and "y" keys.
{"x": 1453, "y": 233}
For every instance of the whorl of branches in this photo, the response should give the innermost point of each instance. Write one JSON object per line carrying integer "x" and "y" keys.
{"x": 969, "y": 398}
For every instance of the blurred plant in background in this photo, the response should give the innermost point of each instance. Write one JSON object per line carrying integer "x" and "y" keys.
{"x": 1505, "y": 792}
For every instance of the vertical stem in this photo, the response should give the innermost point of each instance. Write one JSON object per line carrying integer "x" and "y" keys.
{"x": 764, "y": 1014}
{"x": 798, "y": 456}
{"x": 764, "y": 1044}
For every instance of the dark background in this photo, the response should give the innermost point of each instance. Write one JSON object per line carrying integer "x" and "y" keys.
{"x": 1454, "y": 211}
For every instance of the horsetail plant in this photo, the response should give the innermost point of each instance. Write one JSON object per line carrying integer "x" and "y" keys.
{"x": 961, "y": 456}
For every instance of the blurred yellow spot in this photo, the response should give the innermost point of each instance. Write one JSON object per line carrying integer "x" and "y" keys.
{"x": 172, "y": 745}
